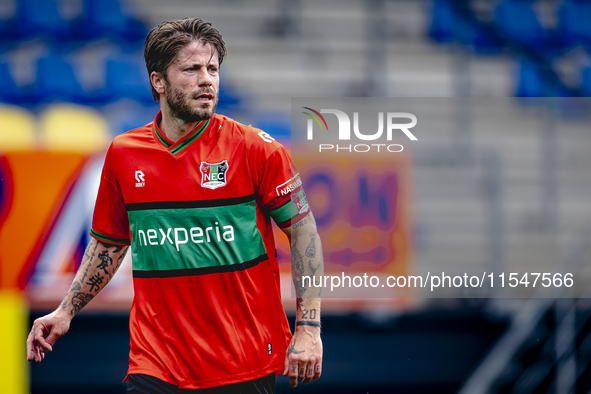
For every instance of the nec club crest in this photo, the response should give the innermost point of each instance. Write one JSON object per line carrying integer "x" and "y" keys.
{"x": 213, "y": 175}
{"x": 300, "y": 201}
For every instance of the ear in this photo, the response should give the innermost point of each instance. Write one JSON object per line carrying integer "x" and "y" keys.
{"x": 157, "y": 80}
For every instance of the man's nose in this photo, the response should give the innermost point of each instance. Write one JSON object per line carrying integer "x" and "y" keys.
{"x": 205, "y": 78}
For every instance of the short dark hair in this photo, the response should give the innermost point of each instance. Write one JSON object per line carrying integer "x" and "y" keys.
{"x": 164, "y": 42}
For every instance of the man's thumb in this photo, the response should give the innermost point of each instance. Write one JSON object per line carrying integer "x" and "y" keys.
{"x": 54, "y": 335}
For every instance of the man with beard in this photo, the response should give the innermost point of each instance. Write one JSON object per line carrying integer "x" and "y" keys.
{"x": 193, "y": 193}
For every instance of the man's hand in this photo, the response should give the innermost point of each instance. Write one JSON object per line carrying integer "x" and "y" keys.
{"x": 303, "y": 361}
{"x": 100, "y": 262}
{"x": 46, "y": 330}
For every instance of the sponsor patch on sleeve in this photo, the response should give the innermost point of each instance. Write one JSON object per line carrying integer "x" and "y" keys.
{"x": 289, "y": 186}
{"x": 300, "y": 201}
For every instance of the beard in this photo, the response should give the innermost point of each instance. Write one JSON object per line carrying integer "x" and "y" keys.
{"x": 180, "y": 105}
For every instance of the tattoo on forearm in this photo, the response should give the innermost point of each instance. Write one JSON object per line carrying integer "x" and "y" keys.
{"x": 300, "y": 223}
{"x": 106, "y": 261}
{"x": 85, "y": 273}
{"x": 309, "y": 314}
{"x": 121, "y": 257}
{"x": 311, "y": 249}
{"x": 79, "y": 301}
{"x": 308, "y": 323}
{"x": 95, "y": 281}
{"x": 292, "y": 349}
{"x": 297, "y": 269}
{"x": 90, "y": 251}
{"x": 75, "y": 286}
{"x": 312, "y": 268}
{"x": 88, "y": 256}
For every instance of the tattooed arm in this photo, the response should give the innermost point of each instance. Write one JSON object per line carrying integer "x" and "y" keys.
{"x": 304, "y": 355}
{"x": 99, "y": 264}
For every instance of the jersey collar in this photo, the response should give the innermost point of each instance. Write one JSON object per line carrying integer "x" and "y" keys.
{"x": 179, "y": 146}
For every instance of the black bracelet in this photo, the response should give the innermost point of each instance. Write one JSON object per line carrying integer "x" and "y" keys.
{"x": 308, "y": 323}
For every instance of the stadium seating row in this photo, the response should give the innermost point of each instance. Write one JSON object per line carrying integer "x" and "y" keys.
{"x": 96, "y": 18}
{"x": 57, "y": 51}
{"x": 57, "y": 79}
{"x": 59, "y": 128}
{"x": 533, "y": 82}
{"x": 515, "y": 24}
{"x": 515, "y": 20}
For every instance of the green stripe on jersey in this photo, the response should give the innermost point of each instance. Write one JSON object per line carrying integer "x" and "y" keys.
{"x": 189, "y": 140}
{"x": 283, "y": 213}
{"x": 162, "y": 139}
{"x": 107, "y": 239}
{"x": 297, "y": 205}
{"x": 189, "y": 238}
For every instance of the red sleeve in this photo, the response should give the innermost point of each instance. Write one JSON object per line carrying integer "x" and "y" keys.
{"x": 280, "y": 189}
{"x": 110, "y": 223}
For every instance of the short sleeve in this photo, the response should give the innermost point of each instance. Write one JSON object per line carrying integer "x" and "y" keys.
{"x": 110, "y": 223}
{"x": 280, "y": 191}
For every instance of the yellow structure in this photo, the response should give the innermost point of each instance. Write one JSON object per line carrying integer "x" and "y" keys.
{"x": 14, "y": 371}
{"x": 18, "y": 129}
{"x": 74, "y": 128}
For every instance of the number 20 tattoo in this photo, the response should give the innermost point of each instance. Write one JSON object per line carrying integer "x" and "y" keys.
{"x": 309, "y": 314}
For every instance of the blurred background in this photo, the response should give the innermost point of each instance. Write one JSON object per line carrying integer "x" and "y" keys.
{"x": 72, "y": 77}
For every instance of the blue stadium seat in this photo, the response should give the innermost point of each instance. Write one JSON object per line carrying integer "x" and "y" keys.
{"x": 126, "y": 115}
{"x": 127, "y": 78}
{"x": 575, "y": 21}
{"x": 443, "y": 22}
{"x": 586, "y": 81}
{"x": 530, "y": 80}
{"x": 535, "y": 80}
{"x": 4, "y": 22}
{"x": 518, "y": 20}
{"x": 277, "y": 125}
{"x": 9, "y": 92}
{"x": 448, "y": 26}
{"x": 486, "y": 41}
{"x": 229, "y": 99}
{"x": 38, "y": 17}
{"x": 110, "y": 18}
{"x": 56, "y": 81}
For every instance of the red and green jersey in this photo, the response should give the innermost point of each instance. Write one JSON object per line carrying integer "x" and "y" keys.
{"x": 197, "y": 212}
